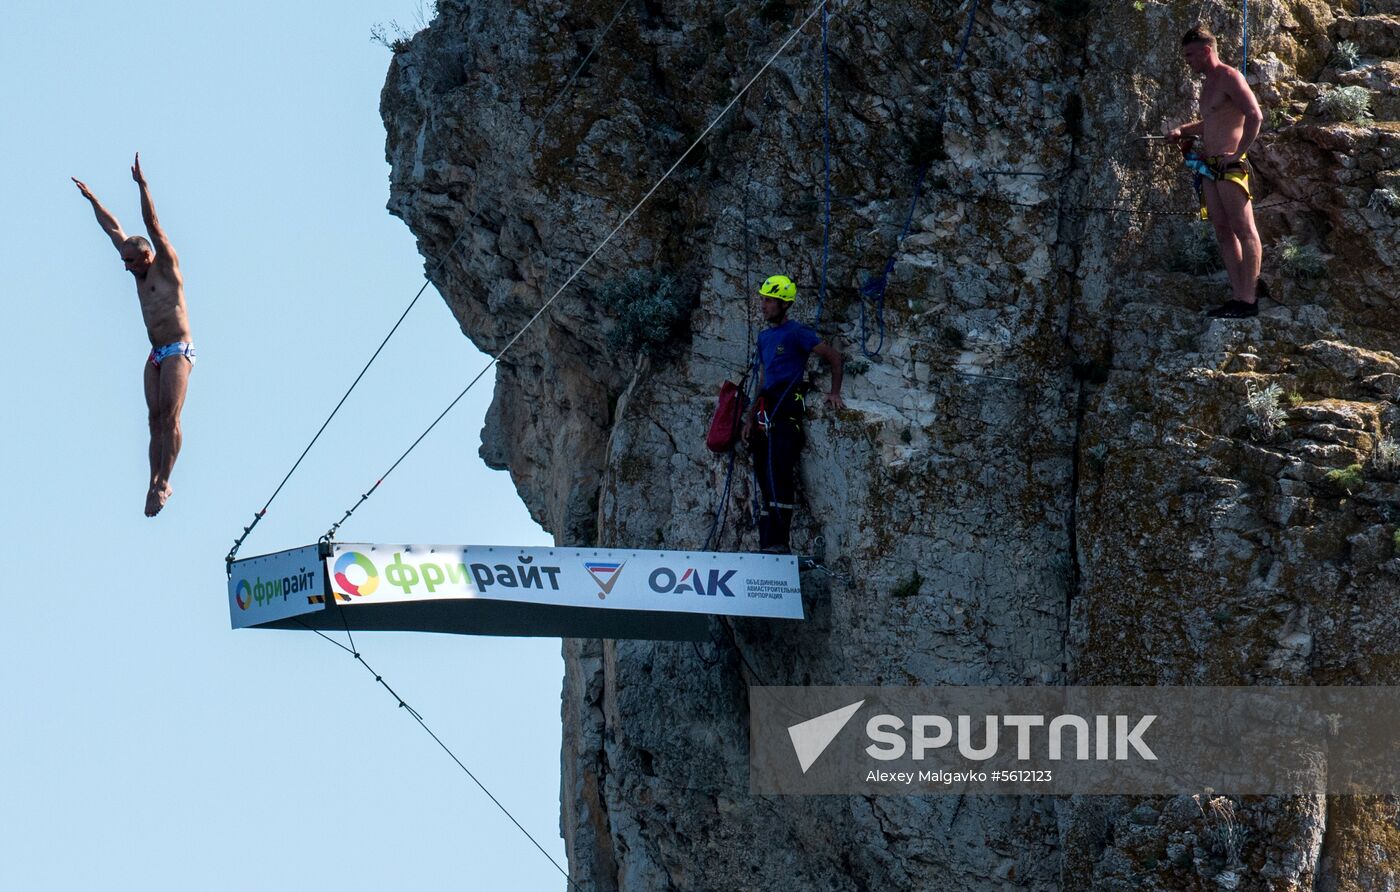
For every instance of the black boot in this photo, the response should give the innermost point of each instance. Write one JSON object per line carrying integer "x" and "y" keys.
{"x": 1234, "y": 309}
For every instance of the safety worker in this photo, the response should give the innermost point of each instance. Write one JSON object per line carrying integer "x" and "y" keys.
{"x": 773, "y": 422}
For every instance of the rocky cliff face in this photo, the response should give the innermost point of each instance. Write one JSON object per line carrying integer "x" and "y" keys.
{"x": 1056, "y": 471}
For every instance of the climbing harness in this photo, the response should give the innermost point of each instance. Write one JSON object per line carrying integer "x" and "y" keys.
{"x": 1210, "y": 168}
{"x": 1201, "y": 170}
{"x": 1199, "y": 166}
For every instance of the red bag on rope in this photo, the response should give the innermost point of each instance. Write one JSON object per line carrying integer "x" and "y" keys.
{"x": 728, "y": 417}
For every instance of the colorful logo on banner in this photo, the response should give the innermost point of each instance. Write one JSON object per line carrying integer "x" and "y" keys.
{"x": 605, "y": 574}
{"x": 243, "y": 594}
{"x": 354, "y": 558}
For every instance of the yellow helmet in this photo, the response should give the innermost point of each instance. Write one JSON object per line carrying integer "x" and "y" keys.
{"x": 779, "y": 288}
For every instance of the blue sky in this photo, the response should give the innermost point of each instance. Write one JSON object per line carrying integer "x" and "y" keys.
{"x": 145, "y": 744}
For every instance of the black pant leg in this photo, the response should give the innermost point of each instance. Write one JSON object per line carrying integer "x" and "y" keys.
{"x": 776, "y": 455}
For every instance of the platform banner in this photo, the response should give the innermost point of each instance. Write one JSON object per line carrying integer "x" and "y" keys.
{"x": 760, "y": 585}
{"x": 276, "y": 586}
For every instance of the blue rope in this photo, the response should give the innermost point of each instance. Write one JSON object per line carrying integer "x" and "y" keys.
{"x": 967, "y": 33}
{"x": 826, "y": 160}
{"x": 723, "y": 500}
{"x": 874, "y": 288}
{"x": 753, "y": 395}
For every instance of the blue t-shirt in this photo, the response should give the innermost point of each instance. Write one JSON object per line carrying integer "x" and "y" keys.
{"x": 783, "y": 351}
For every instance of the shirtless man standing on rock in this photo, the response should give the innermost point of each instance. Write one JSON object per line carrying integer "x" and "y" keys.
{"x": 161, "y": 291}
{"x": 1230, "y": 120}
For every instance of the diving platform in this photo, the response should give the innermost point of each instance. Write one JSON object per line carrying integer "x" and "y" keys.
{"x": 496, "y": 590}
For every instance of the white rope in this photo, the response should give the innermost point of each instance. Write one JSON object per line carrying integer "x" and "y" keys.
{"x": 664, "y": 177}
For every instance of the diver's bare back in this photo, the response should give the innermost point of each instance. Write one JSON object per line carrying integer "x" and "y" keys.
{"x": 1222, "y": 119}
{"x": 162, "y": 294}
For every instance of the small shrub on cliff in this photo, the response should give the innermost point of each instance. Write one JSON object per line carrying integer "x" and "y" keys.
{"x": 1347, "y": 481}
{"x": 1299, "y": 260}
{"x": 1386, "y": 456}
{"x": 1224, "y": 835}
{"x": 1346, "y": 54}
{"x": 1098, "y": 457}
{"x": 1395, "y": 540}
{"x": 1197, "y": 253}
{"x": 1347, "y": 105}
{"x": 396, "y": 37}
{"x": 392, "y": 37}
{"x": 651, "y": 308}
{"x": 1267, "y": 418}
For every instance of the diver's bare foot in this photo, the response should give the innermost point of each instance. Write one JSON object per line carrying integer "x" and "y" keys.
{"x": 156, "y": 498}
